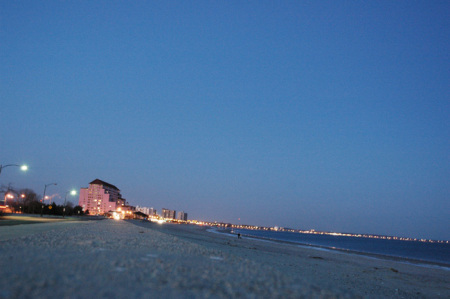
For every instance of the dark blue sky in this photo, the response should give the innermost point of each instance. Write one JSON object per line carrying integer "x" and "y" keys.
{"x": 329, "y": 115}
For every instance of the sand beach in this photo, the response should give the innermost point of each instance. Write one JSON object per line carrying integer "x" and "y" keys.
{"x": 131, "y": 259}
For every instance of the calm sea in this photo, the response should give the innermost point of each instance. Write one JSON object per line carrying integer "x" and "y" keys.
{"x": 415, "y": 250}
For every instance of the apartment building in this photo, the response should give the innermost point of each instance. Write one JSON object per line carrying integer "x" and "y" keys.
{"x": 146, "y": 210}
{"x": 182, "y": 216}
{"x": 100, "y": 198}
{"x": 168, "y": 214}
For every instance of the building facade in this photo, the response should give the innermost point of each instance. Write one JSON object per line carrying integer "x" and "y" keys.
{"x": 100, "y": 198}
{"x": 168, "y": 214}
{"x": 145, "y": 210}
{"x": 182, "y": 216}
{"x": 152, "y": 212}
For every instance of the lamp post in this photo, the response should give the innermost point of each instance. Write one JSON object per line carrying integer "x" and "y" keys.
{"x": 22, "y": 167}
{"x": 73, "y": 192}
{"x": 22, "y": 196}
{"x": 43, "y": 198}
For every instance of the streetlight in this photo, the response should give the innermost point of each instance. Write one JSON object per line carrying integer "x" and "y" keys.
{"x": 9, "y": 195}
{"x": 22, "y": 196}
{"x": 73, "y": 192}
{"x": 43, "y": 198}
{"x": 22, "y": 167}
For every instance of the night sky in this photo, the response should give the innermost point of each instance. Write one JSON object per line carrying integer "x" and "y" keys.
{"x": 326, "y": 115}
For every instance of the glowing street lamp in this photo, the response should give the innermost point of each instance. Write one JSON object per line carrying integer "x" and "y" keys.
{"x": 73, "y": 192}
{"x": 22, "y": 167}
{"x": 9, "y": 195}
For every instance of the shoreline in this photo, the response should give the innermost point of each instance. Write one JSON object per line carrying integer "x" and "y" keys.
{"x": 362, "y": 274}
{"x": 362, "y": 253}
{"x": 408, "y": 260}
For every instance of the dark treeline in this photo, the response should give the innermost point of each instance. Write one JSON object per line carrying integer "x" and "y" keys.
{"x": 28, "y": 202}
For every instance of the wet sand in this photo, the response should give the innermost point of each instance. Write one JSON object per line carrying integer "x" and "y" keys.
{"x": 118, "y": 259}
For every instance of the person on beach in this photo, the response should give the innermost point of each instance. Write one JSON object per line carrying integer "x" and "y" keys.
{"x": 239, "y": 236}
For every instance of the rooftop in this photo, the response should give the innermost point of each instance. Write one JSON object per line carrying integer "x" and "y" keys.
{"x": 100, "y": 182}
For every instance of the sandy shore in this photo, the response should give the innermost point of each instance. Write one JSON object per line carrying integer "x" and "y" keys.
{"x": 99, "y": 259}
{"x": 12, "y": 230}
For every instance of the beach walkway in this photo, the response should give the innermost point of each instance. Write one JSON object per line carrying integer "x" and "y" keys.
{"x": 131, "y": 259}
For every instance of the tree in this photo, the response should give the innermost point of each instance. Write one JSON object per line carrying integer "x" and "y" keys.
{"x": 77, "y": 210}
{"x": 31, "y": 201}
{"x": 68, "y": 208}
{"x": 25, "y": 200}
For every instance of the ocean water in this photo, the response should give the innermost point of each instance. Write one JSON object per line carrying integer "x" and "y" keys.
{"x": 415, "y": 250}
